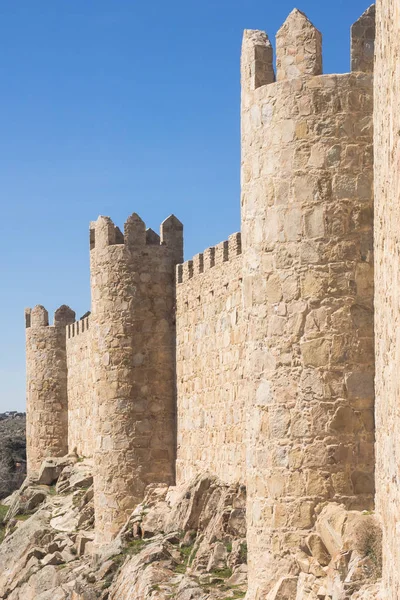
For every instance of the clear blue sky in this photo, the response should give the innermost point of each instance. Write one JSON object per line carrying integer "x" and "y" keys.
{"x": 109, "y": 107}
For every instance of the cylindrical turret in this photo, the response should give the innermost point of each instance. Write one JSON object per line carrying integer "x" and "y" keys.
{"x": 308, "y": 293}
{"x": 47, "y": 402}
{"x": 133, "y": 352}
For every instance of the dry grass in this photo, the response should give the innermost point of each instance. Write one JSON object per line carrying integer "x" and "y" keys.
{"x": 368, "y": 542}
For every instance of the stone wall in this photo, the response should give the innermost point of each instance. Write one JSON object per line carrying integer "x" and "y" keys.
{"x": 80, "y": 389}
{"x": 387, "y": 298}
{"x": 308, "y": 292}
{"x": 270, "y": 362}
{"x": 210, "y": 363}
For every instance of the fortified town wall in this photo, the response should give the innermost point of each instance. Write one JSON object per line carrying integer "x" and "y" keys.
{"x": 80, "y": 389}
{"x": 254, "y": 360}
{"x": 210, "y": 364}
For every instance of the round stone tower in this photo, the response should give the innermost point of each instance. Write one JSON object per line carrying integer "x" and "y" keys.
{"x": 47, "y": 402}
{"x": 133, "y": 354}
{"x": 308, "y": 290}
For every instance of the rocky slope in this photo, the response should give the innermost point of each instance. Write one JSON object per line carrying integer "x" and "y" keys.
{"x": 184, "y": 543}
{"x": 12, "y": 452}
{"x": 181, "y": 543}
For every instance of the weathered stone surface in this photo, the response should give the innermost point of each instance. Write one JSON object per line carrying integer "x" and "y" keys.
{"x": 210, "y": 345}
{"x": 47, "y": 401}
{"x": 82, "y": 540}
{"x": 363, "y": 42}
{"x": 318, "y": 549}
{"x": 308, "y": 588}
{"x": 133, "y": 296}
{"x": 14, "y": 548}
{"x": 42, "y": 585}
{"x": 205, "y": 562}
{"x": 239, "y": 576}
{"x": 343, "y": 530}
{"x": 387, "y": 306}
{"x": 298, "y": 48}
{"x": 51, "y": 468}
{"x": 75, "y": 477}
{"x": 52, "y": 559}
{"x": 369, "y": 592}
{"x": 285, "y": 589}
{"x": 80, "y": 388}
{"x": 26, "y": 500}
{"x": 309, "y": 305}
{"x": 218, "y": 557}
{"x": 189, "y": 589}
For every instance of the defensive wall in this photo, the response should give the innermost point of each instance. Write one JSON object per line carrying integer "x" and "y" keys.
{"x": 80, "y": 388}
{"x": 210, "y": 364}
{"x": 255, "y": 359}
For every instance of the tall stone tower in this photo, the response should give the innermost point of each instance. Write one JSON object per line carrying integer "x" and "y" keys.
{"x": 308, "y": 288}
{"x": 133, "y": 337}
{"x": 387, "y": 298}
{"x": 47, "y": 402}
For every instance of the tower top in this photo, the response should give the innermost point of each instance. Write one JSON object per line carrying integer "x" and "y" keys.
{"x": 298, "y": 47}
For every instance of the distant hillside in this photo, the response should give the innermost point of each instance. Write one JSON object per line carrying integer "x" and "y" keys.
{"x": 12, "y": 451}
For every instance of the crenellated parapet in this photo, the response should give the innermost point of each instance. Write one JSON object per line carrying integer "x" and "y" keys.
{"x": 307, "y": 236}
{"x": 257, "y": 60}
{"x": 39, "y": 317}
{"x": 103, "y": 233}
{"x": 216, "y": 255}
{"x": 47, "y": 401}
{"x": 132, "y": 333}
{"x": 78, "y": 327}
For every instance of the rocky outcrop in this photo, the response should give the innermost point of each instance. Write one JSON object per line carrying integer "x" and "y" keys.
{"x": 185, "y": 543}
{"x": 202, "y": 552}
{"x": 342, "y": 560}
{"x": 12, "y": 452}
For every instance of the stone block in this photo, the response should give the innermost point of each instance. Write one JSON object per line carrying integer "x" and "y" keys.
{"x": 318, "y": 549}
{"x": 285, "y": 589}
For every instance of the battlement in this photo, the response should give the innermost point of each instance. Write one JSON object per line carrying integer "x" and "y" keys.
{"x": 39, "y": 316}
{"x": 104, "y": 232}
{"x": 78, "y": 327}
{"x": 363, "y": 42}
{"x": 299, "y": 50}
{"x": 216, "y": 255}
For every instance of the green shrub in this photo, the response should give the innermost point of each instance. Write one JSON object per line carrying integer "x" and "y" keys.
{"x": 243, "y": 552}
{"x": 3, "y": 513}
{"x": 223, "y": 573}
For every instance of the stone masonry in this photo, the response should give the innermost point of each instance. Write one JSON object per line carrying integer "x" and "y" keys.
{"x": 132, "y": 333}
{"x": 387, "y": 299}
{"x": 80, "y": 388}
{"x": 210, "y": 364}
{"x": 46, "y": 384}
{"x": 308, "y": 292}
{"x": 255, "y": 360}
